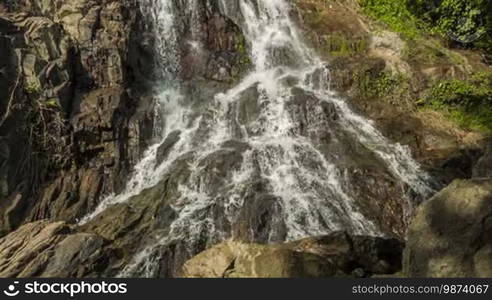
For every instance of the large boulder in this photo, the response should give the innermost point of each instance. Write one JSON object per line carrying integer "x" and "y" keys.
{"x": 451, "y": 235}
{"x": 338, "y": 254}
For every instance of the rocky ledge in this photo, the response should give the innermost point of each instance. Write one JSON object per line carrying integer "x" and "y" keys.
{"x": 450, "y": 236}
{"x": 44, "y": 249}
{"x": 337, "y": 254}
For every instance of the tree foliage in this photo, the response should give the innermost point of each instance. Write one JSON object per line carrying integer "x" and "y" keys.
{"x": 468, "y": 22}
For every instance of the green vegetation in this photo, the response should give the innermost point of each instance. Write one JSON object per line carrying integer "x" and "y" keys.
{"x": 32, "y": 89}
{"x": 244, "y": 60}
{"x": 395, "y": 14}
{"x": 465, "y": 21}
{"x": 379, "y": 85}
{"x": 340, "y": 46}
{"x": 467, "y": 102}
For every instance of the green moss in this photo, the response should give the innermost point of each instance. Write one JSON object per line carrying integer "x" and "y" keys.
{"x": 341, "y": 46}
{"x": 479, "y": 119}
{"x": 465, "y": 21}
{"x": 475, "y": 91}
{"x": 426, "y": 54}
{"x": 467, "y": 102}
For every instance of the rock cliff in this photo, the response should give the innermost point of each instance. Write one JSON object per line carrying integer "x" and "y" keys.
{"x": 78, "y": 110}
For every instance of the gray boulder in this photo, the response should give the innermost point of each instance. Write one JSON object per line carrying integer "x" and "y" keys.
{"x": 451, "y": 235}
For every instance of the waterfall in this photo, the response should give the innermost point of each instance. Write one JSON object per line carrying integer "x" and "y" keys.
{"x": 276, "y": 149}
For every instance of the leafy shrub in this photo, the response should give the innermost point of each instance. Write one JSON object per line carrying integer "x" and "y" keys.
{"x": 395, "y": 14}
{"x": 381, "y": 85}
{"x": 469, "y": 102}
{"x": 461, "y": 20}
{"x": 466, "y": 21}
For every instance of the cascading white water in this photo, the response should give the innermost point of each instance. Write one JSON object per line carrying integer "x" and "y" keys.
{"x": 168, "y": 108}
{"x": 310, "y": 187}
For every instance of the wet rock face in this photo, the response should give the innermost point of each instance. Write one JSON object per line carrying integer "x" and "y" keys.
{"x": 205, "y": 48}
{"x": 154, "y": 214}
{"x": 74, "y": 102}
{"x": 451, "y": 234}
{"x": 336, "y": 255}
{"x": 78, "y": 76}
{"x": 214, "y": 48}
{"x": 376, "y": 190}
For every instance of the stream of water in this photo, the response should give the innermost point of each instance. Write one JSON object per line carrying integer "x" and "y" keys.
{"x": 309, "y": 185}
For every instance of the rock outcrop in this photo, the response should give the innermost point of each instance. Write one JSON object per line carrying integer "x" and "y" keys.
{"x": 336, "y": 255}
{"x": 77, "y": 110}
{"x": 78, "y": 84}
{"x": 44, "y": 249}
{"x": 56, "y": 249}
{"x": 451, "y": 235}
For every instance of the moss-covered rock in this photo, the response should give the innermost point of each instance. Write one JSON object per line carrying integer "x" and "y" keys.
{"x": 467, "y": 102}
